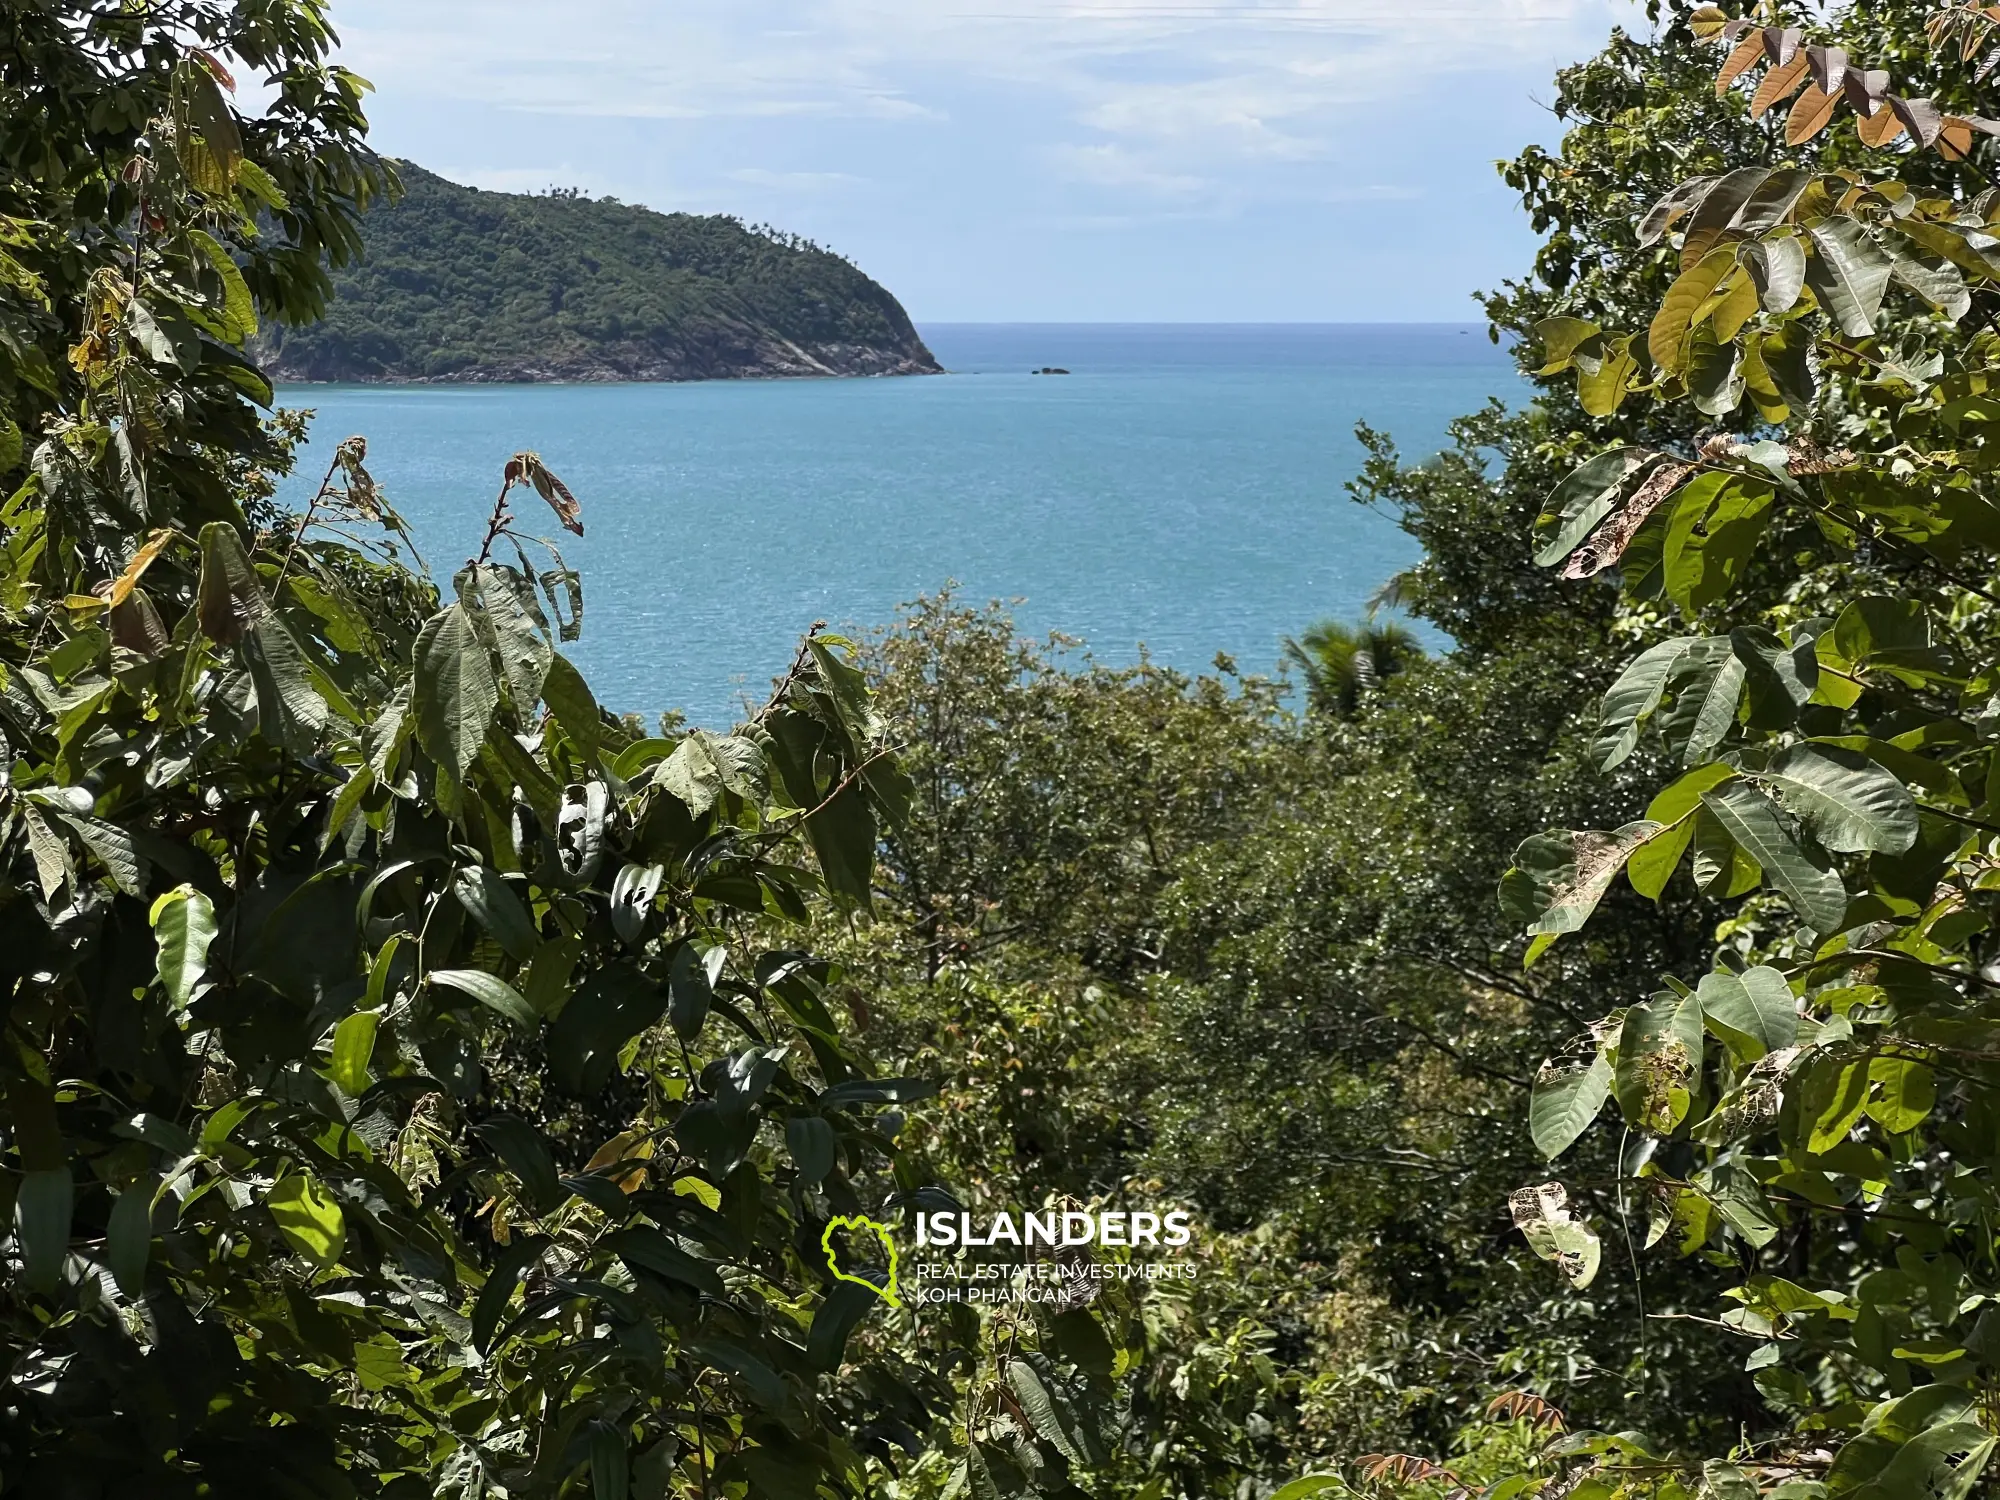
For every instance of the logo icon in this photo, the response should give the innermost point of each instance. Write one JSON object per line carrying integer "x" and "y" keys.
{"x": 862, "y": 1225}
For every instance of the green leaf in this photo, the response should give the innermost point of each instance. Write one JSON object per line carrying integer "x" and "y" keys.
{"x": 1715, "y": 706}
{"x": 690, "y": 993}
{"x": 128, "y": 1238}
{"x": 183, "y": 928}
{"x": 1834, "y": 1098}
{"x": 42, "y": 1209}
{"x": 1560, "y": 339}
{"x": 1311, "y": 1484}
{"x": 353, "y": 1046}
{"x": 614, "y": 1005}
{"x": 309, "y": 1218}
{"x": 1603, "y": 390}
{"x": 1672, "y": 326}
{"x": 1717, "y": 521}
{"x": 652, "y": 1250}
{"x": 1581, "y": 501}
{"x": 842, "y": 834}
{"x": 1633, "y": 698}
{"x": 813, "y": 1146}
{"x": 495, "y": 994}
{"x": 1931, "y": 276}
{"x": 1653, "y": 863}
{"x": 1905, "y": 1093}
{"x": 1850, "y": 803}
{"x": 493, "y": 904}
{"x": 844, "y": 1307}
{"x": 1565, "y": 1101}
{"x": 569, "y": 699}
{"x": 1849, "y": 273}
{"x": 1753, "y": 821}
{"x": 1659, "y": 1055}
{"x": 1753, "y": 1013}
{"x": 1714, "y": 375}
{"x": 233, "y": 611}
{"x": 239, "y": 309}
{"x": 1778, "y": 266}
{"x": 455, "y": 693}
{"x": 1558, "y": 878}
{"x": 1039, "y": 1405}
{"x": 511, "y": 621}
{"x": 525, "y": 1151}
{"x": 610, "y": 1464}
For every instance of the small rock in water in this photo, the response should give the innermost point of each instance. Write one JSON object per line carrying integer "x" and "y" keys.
{"x": 1049, "y": 370}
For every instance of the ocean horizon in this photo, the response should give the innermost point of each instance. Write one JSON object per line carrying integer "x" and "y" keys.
{"x": 1179, "y": 492}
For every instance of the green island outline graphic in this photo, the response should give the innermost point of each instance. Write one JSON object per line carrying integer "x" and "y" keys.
{"x": 881, "y": 1232}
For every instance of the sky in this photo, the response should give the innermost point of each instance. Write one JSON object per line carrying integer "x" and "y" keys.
{"x": 1021, "y": 160}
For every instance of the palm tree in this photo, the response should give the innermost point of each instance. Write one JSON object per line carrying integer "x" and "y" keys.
{"x": 1343, "y": 664}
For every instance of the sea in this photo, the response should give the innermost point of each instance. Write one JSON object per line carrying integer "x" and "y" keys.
{"x": 1178, "y": 493}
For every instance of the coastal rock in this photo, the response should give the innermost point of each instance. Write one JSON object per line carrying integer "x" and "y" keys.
{"x": 463, "y": 286}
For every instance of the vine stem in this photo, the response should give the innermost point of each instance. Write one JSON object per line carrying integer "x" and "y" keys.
{"x": 497, "y": 524}
{"x": 305, "y": 521}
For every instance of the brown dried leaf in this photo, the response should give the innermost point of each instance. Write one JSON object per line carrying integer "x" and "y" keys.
{"x": 529, "y": 467}
{"x": 1707, "y": 21}
{"x": 137, "y": 626}
{"x": 1812, "y": 114}
{"x": 1747, "y": 52}
{"x": 1779, "y": 85}
{"x": 215, "y": 68}
{"x": 1608, "y": 543}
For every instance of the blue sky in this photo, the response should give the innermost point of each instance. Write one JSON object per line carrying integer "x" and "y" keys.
{"x": 1021, "y": 160}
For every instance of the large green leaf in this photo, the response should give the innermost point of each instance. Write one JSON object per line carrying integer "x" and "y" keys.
{"x": 490, "y": 991}
{"x": 309, "y": 1218}
{"x": 455, "y": 694}
{"x": 1633, "y": 698}
{"x": 353, "y": 1046}
{"x": 1754, "y": 822}
{"x": 1659, "y": 1058}
{"x": 42, "y": 1208}
{"x": 183, "y": 928}
{"x": 1672, "y": 326}
{"x": 1850, "y": 803}
{"x": 1565, "y": 1101}
{"x": 1583, "y": 500}
{"x": 1849, "y": 273}
{"x": 493, "y": 904}
{"x": 1753, "y": 1012}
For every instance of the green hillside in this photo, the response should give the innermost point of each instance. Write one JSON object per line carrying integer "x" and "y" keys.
{"x": 460, "y": 284}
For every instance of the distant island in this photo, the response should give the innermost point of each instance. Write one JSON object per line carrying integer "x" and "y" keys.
{"x": 458, "y": 284}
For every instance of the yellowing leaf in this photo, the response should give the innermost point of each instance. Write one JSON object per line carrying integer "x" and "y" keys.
{"x": 1672, "y": 324}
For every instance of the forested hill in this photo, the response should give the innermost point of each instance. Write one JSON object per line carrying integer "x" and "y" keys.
{"x": 460, "y": 284}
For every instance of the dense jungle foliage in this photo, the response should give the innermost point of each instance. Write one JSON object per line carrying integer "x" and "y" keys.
{"x": 420, "y": 1080}
{"x": 458, "y": 284}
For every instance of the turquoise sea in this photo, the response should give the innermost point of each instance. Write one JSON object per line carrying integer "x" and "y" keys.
{"x": 1180, "y": 490}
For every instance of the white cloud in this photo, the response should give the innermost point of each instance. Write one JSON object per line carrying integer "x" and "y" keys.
{"x": 1152, "y": 98}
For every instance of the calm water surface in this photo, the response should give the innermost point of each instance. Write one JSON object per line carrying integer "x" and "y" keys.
{"x": 1181, "y": 488}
